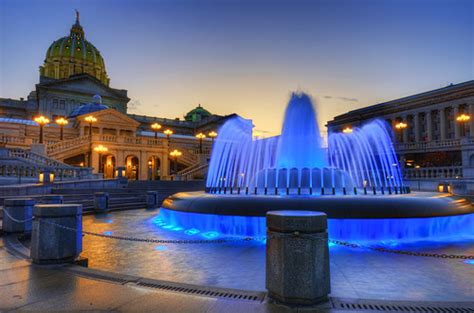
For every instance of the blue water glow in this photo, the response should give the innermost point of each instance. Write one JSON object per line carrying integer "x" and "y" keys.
{"x": 390, "y": 231}
{"x": 161, "y": 248}
{"x": 192, "y": 231}
{"x": 471, "y": 262}
{"x": 210, "y": 235}
{"x": 108, "y": 233}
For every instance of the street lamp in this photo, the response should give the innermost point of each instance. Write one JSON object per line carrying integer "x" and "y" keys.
{"x": 41, "y": 120}
{"x": 61, "y": 122}
{"x": 347, "y": 130}
{"x": 156, "y": 127}
{"x": 175, "y": 154}
{"x": 90, "y": 119}
{"x": 213, "y": 135}
{"x": 168, "y": 132}
{"x": 100, "y": 149}
{"x": 200, "y": 136}
{"x": 401, "y": 126}
{"x": 463, "y": 118}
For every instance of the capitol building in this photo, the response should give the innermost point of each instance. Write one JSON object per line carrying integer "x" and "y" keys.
{"x": 95, "y": 129}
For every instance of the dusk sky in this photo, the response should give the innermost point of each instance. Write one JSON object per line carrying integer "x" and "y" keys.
{"x": 247, "y": 56}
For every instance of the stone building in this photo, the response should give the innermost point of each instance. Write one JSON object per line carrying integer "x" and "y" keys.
{"x": 73, "y": 72}
{"x": 433, "y": 132}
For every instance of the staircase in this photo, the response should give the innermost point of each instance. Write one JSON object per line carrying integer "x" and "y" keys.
{"x": 69, "y": 148}
{"x": 20, "y": 166}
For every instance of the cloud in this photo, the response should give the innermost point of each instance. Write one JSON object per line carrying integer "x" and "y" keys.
{"x": 342, "y": 98}
{"x": 348, "y": 99}
{"x": 134, "y": 105}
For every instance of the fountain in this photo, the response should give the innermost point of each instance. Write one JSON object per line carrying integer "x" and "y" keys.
{"x": 357, "y": 183}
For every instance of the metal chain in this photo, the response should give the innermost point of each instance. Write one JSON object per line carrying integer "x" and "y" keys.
{"x": 154, "y": 240}
{"x": 226, "y": 240}
{"x": 404, "y": 252}
{"x": 16, "y": 220}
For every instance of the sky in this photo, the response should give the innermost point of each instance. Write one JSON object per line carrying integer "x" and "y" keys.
{"x": 247, "y": 56}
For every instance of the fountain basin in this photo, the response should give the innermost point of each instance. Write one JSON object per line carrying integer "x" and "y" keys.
{"x": 373, "y": 218}
{"x": 335, "y": 206}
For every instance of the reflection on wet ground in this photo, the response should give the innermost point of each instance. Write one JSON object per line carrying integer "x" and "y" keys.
{"x": 354, "y": 272}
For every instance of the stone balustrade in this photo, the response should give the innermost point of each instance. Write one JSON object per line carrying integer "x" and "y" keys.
{"x": 437, "y": 144}
{"x": 433, "y": 172}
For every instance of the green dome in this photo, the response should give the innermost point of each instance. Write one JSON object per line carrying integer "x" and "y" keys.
{"x": 197, "y": 114}
{"x": 72, "y": 55}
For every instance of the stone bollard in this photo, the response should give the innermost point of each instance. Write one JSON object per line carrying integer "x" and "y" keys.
{"x": 101, "y": 202}
{"x": 151, "y": 199}
{"x": 52, "y": 199}
{"x": 17, "y": 215}
{"x": 50, "y": 241}
{"x": 297, "y": 259}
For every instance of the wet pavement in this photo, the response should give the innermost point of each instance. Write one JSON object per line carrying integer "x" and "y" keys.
{"x": 355, "y": 273}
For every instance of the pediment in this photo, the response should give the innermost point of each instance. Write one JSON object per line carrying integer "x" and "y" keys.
{"x": 112, "y": 117}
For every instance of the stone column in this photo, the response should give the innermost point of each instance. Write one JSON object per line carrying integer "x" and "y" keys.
{"x": 416, "y": 120}
{"x": 457, "y": 130}
{"x": 57, "y": 233}
{"x": 429, "y": 125}
{"x": 405, "y": 130}
{"x": 442, "y": 123}
{"x": 297, "y": 258}
{"x": 101, "y": 202}
{"x": 17, "y": 214}
{"x": 151, "y": 199}
{"x": 471, "y": 121}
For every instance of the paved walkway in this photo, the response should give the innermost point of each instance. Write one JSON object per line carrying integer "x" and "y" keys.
{"x": 27, "y": 287}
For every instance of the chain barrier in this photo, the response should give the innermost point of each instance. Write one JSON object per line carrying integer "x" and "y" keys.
{"x": 16, "y": 220}
{"x": 403, "y": 252}
{"x": 247, "y": 239}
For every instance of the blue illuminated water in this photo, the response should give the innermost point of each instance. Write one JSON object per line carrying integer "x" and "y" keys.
{"x": 295, "y": 163}
{"x": 390, "y": 231}
{"x": 299, "y": 145}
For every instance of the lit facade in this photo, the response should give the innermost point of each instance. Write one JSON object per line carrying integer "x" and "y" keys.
{"x": 434, "y": 134}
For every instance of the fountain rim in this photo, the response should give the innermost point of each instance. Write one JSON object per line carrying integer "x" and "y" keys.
{"x": 416, "y": 205}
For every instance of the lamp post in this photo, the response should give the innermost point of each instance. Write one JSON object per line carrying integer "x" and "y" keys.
{"x": 100, "y": 149}
{"x": 61, "y": 122}
{"x": 168, "y": 132}
{"x": 347, "y": 130}
{"x": 213, "y": 135}
{"x": 156, "y": 127}
{"x": 200, "y": 136}
{"x": 91, "y": 120}
{"x": 400, "y": 126}
{"x": 41, "y": 120}
{"x": 175, "y": 154}
{"x": 463, "y": 118}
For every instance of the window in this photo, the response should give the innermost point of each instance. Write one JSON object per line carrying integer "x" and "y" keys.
{"x": 55, "y": 103}
{"x": 62, "y": 104}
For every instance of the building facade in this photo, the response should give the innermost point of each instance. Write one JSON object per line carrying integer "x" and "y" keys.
{"x": 433, "y": 134}
{"x": 72, "y": 74}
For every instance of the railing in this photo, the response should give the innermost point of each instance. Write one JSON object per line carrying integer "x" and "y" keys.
{"x": 433, "y": 172}
{"x": 451, "y": 143}
{"x": 37, "y": 159}
{"x": 192, "y": 170}
{"x": 67, "y": 144}
{"x": 29, "y": 164}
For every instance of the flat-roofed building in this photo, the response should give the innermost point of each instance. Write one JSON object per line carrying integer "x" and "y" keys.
{"x": 433, "y": 134}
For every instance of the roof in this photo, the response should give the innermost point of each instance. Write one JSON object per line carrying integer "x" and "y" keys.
{"x": 396, "y": 104}
{"x": 94, "y": 106}
{"x": 18, "y": 121}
